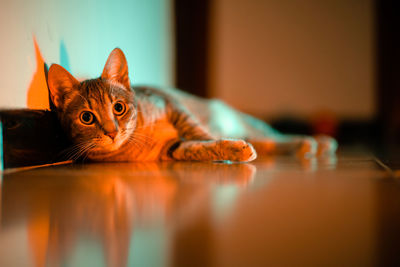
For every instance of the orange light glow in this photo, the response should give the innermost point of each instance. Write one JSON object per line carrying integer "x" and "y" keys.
{"x": 37, "y": 95}
{"x": 38, "y": 234}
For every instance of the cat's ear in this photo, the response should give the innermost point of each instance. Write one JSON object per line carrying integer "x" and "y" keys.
{"x": 116, "y": 68}
{"x": 61, "y": 83}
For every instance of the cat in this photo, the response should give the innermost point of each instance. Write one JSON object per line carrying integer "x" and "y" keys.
{"x": 107, "y": 119}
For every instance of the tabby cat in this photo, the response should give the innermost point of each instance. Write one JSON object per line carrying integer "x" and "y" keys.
{"x": 109, "y": 120}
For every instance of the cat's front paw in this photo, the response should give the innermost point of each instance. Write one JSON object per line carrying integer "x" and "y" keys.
{"x": 236, "y": 150}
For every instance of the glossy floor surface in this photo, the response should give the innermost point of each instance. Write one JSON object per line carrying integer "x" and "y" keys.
{"x": 342, "y": 211}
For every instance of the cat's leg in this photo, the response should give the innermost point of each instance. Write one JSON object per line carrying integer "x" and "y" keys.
{"x": 188, "y": 127}
{"x": 294, "y": 144}
{"x": 302, "y": 146}
{"x": 213, "y": 150}
{"x": 326, "y": 144}
{"x": 267, "y": 140}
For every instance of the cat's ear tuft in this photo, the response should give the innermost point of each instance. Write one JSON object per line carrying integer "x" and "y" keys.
{"x": 61, "y": 83}
{"x": 116, "y": 68}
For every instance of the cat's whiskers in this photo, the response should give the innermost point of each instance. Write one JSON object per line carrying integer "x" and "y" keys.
{"x": 70, "y": 155}
{"x": 134, "y": 141}
{"x": 140, "y": 141}
{"x": 90, "y": 148}
{"x": 83, "y": 149}
{"x": 144, "y": 140}
{"x": 79, "y": 149}
{"x": 135, "y": 134}
{"x": 136, "y": 145}
{"x": 69, "y": 152}
{"x": 147, "y": 125}
{"x": 143, "y": 136}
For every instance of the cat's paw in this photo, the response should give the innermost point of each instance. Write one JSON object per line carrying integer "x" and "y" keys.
{"x": 308, "y": 147}
{"x": 326, "y": 145}
{"x": 236, "y": 150}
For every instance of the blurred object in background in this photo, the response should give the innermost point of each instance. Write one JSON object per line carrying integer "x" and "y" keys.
{"x": 325, "y": 122}
{"x": 291, "y": 124}
{"x": 388, "y": 73}
{"x": 191, "y": 45}
{"x": 388, "y": 82}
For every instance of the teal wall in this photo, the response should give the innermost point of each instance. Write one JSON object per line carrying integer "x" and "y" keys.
{"x": 79, "y": 35}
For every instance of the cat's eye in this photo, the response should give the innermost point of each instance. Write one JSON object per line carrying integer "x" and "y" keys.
{"x": 119, "y": 108}
{"x": 86, "y": 117}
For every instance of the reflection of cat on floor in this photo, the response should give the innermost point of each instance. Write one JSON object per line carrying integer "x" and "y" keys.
{"x": 96, "y": 203}
{"x": 109, "y": 120}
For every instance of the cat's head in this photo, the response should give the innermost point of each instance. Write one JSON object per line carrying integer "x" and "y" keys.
{"x": 99, "y": 115}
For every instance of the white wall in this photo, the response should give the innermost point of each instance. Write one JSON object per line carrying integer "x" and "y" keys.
{"x": 294, "y": 57}
{"x": 79, "y": 35}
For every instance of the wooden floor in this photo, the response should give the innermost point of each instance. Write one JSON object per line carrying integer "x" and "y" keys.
{"x": 335, "y": 211}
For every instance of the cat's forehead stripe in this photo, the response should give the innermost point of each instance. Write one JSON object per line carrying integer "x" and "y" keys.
{"x": 94, "y": 89}
{"x": 97, "y": 94}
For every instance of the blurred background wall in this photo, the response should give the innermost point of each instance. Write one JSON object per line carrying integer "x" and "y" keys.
{"x": 294, "y": 57}
{"x": 79, "y": 35}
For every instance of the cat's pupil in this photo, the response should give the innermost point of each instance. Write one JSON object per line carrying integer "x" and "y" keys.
{"x": 118, "y": 107}
{"x": 87, "y": 117}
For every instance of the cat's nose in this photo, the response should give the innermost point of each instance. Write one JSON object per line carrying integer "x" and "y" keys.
{"x": 112, "y": 134}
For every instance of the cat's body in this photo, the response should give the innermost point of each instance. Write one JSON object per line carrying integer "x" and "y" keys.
{"x": 108, "y": 120}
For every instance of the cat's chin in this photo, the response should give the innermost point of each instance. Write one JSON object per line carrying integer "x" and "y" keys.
{"x": 107, "y": 147}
